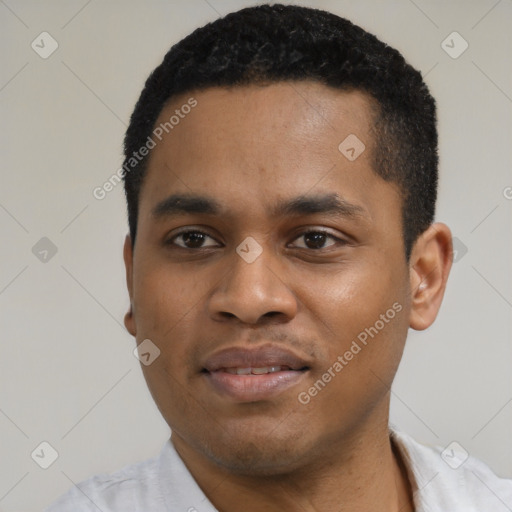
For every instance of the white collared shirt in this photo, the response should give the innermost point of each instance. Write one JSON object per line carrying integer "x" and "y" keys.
{"x": 164, "y": 484}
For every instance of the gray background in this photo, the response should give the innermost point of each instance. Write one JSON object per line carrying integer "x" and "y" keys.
{"x": 67, "y": 372}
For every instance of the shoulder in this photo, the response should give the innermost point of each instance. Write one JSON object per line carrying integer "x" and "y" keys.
{"x": 451, "y": 479}
{"x": 133, "y": 487}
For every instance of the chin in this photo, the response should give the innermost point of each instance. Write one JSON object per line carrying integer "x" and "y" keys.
{"x": 263, "y": 453}
{"x": 251, "y": 460}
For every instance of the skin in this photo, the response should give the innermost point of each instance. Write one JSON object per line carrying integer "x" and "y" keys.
{"x": 249, "y": 148}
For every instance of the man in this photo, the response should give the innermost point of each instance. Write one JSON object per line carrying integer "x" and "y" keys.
{"x": 281, "y": 178}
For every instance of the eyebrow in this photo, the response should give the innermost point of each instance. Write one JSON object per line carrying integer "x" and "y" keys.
{"x": 186, "y": 203}
{"x": 327, "y": 204}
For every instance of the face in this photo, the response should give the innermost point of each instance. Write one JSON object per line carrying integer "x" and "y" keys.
{"x": 269, "y": 270}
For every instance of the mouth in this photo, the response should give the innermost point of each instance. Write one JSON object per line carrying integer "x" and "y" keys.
{"x": 254, "y": 375}
{"x": 256, "y": 371}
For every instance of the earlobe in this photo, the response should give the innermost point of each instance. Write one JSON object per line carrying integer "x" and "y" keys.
{"x": 129, "y": 320}
{"x": 430, "y": 264}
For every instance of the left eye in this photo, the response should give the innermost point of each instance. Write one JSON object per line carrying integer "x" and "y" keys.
{"x": 316, "y": 240}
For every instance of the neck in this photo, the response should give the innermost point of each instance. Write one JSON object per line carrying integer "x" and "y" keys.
{"x": 357, "y": 474}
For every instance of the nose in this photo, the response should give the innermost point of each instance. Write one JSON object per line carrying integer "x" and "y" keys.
{"x": 253, "y": 293}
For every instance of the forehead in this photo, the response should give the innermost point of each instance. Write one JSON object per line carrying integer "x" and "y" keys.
{"x": 251, "y": 145}
{"x": 303, "y": 111}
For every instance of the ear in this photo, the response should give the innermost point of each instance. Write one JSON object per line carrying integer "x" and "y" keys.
{"x": 129, "y": 320}
{"x": 429, "y": 266}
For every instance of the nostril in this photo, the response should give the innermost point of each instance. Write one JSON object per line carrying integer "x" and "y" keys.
{"x": 227, "y": 314}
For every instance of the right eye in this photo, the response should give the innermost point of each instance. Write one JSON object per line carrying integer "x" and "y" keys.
{"x": 192, "y": 239}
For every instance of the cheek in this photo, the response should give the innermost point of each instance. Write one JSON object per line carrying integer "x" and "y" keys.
{"x": 166, "y": 305}
{"x": 363, "y": 313}
{"x": 361, "y": 316}
{"x": 168, "y": 309}
{"x": 353, "y": 298}
{"x": 163, "y": 299}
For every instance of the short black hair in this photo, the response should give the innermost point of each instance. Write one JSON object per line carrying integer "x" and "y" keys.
{"x": 275, "y": 43}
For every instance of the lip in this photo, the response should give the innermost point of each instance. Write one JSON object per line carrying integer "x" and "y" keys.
{"x": 253, "y": 388}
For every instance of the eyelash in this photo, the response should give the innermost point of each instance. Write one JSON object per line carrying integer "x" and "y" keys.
{"x": 337, "y": 240}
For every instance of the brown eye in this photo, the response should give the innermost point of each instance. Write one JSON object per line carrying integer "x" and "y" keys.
{"x": 316, "y": 240}
{"x": 193, "y": 240}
